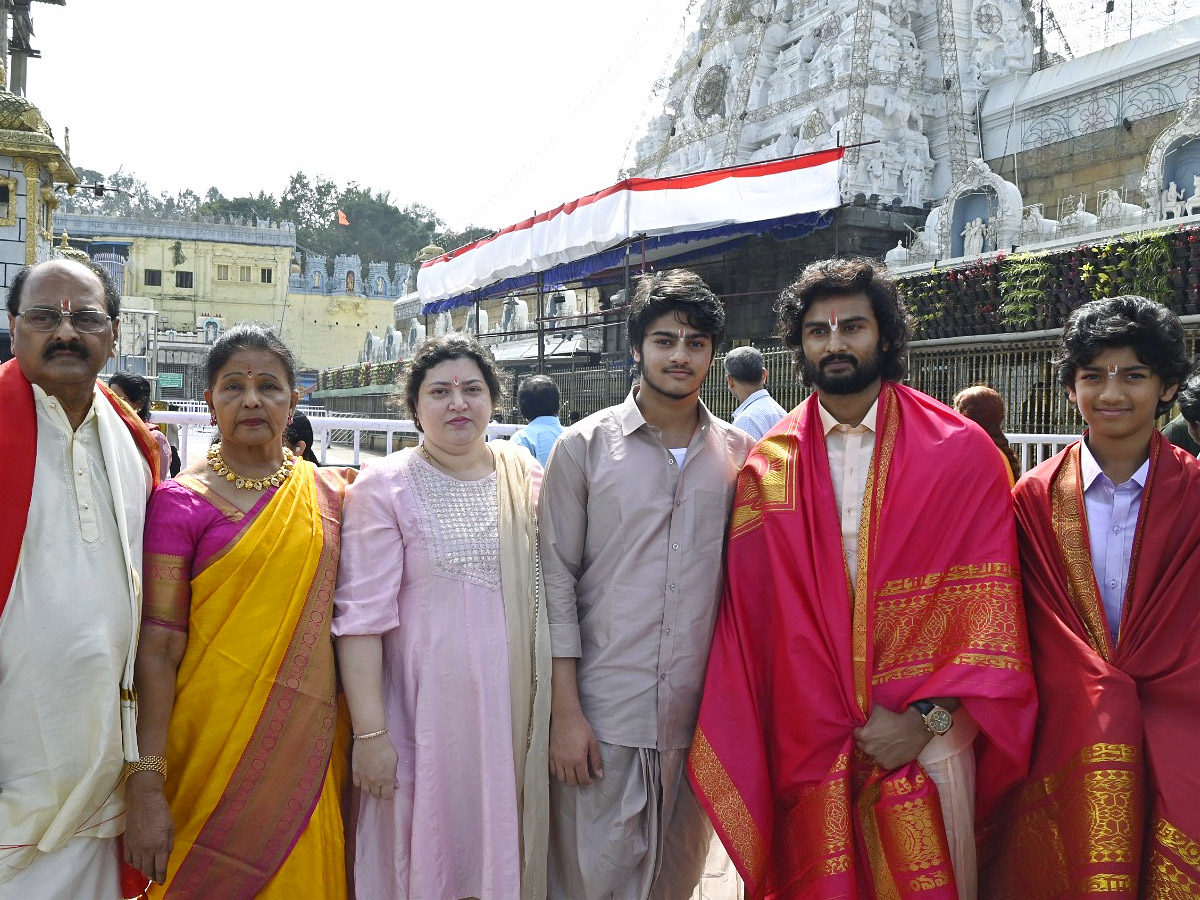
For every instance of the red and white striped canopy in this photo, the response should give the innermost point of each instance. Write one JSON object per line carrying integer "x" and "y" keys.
{"x": 633, "y": 208}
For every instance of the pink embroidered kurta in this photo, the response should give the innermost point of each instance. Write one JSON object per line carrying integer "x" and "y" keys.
{"x": 420, "y": 565}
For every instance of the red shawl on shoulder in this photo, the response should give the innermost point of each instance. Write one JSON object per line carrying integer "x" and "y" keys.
{"x": 798, "y": 658}
{"x": 18, "y": 445}
{"x": 1112, "y": 804}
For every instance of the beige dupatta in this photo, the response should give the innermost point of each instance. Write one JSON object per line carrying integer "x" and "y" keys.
{"x": 528, "y": 659}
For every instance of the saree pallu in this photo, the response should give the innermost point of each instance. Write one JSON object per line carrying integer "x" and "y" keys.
{"x": 255, "y": 755}
{"x": 800, "y": 656}
{"x": 1112, "y": 804}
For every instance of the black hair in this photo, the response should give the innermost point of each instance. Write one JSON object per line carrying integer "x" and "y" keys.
{"x": 1189, "y": 397}
{"x": 248, "y": 336}
{"x": 300, "y": 429}
{"x": 678, "y": 291}
{"x": 538, "y": 396}
{"x": 1152, "y": 331}
{"x": 744, "y": 364}
{"x": 112, "y": 298}
{"x": 840, "y": 278}
{"x": 439, "y": 349}
{"x": 137, "y": 389}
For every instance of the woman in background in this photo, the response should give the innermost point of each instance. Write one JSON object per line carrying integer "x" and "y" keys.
{"x": 135, "y": 390}
{"x": 984, "y": 406}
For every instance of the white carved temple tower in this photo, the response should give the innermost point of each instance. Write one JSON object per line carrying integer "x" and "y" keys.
{"x": 764, "y": 79}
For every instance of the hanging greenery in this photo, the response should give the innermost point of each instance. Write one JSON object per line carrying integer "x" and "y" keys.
{"x": 1023, "y": 282}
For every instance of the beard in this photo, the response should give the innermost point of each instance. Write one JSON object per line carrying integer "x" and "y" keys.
{"x": 858, "y": 378}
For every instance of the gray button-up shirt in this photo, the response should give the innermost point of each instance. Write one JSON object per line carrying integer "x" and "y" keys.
{"x": 632, "y": 552}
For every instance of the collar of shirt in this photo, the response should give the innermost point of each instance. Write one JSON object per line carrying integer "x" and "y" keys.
{"x": 757, "y": 395}
{"x": 58, "y": 415}
{"x": 545, "y": 420}
{"x": 631, "y": 418}
{"x": 829, "y": 423}
{"x": 1090, "y": 469}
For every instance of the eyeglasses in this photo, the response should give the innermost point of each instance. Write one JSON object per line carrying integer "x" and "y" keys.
{"x": 86, "y": 321}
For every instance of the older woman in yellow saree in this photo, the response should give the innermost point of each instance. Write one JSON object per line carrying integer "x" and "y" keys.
{"x": 238, "y": 790}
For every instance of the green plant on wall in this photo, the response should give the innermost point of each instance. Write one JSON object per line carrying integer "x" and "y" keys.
{"x": 1022, "y": 287}
{"x": 1150, "y": 265}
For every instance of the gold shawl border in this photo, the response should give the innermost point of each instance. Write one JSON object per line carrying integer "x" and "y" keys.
{"x": 969, "y": 615}
{"x": 872, "y": 508}
{"x": 733, "y": 817}
{"x": 766, "y": 483}
{"x": 264, "y": 839}
{"x": 1172, "y": 869}
{"x": 169, "y": 603}
{"x": 1069, "y": 827}
{"x": 1070, "y": 530}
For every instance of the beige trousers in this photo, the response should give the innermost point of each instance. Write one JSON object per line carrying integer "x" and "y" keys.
{"x": 634, "y": 834}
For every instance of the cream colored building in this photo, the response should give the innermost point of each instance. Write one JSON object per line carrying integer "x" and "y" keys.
{"x": 204, "y": 276}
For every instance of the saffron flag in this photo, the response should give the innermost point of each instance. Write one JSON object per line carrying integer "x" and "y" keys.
{"x": 342, "y": 220}
{"x": 636, "y": 207}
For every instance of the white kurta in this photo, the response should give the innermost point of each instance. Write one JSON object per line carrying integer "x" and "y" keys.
{"x": 66, "y": 642}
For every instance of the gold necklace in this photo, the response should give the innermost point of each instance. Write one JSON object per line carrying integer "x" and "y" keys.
{"x": 276, "y": 478}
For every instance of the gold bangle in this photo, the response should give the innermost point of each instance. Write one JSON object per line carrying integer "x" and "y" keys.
{"x": 147, "y": 764}
{"x": 362, "y": 737}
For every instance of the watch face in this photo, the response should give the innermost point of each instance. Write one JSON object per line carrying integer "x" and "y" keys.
{"x": 939, "y": 720}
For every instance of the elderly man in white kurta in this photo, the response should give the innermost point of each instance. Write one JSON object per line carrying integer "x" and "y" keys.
{"x": 80, "y": 471}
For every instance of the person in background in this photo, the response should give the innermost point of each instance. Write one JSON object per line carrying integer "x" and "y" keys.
{"x": 984, "y": 406}
{"x": 746, "y": 377}
{"x": 444, "y": 648}
{"x": 633, "y": 514}
{"x": 1184, "y": 430}
{"x": 298, "y": 436}
{"x": 869, "y": 687}
{"x": 244, "y": 749}
{"x": 79, "y": 467}
{"x": 135, "y": 390}
{"x": 1110, "y": 562}
{"x": 538, "y": 399}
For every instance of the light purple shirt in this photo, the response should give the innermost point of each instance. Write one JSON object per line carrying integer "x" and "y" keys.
{"x": 1112, "y": 514}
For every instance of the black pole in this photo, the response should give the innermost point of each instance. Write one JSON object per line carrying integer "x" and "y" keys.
{"x": 541, "y": 334}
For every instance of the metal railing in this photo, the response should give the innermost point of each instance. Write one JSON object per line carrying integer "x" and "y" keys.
{"x": 327, "y": 431}
{"x": 195, "y": 427}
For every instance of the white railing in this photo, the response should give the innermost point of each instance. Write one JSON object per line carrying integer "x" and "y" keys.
{"x": 1033, "y": 449}
{"x": 196, "y": 426}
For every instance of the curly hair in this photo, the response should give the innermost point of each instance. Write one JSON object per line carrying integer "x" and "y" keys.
{"x": 248, "y": 336}
{"x": 679, "y": 291}
{"x": 439, "y": 349}
{"x": 842, "y": 278}
{"x": 1189, "y": 397}
{"x": 1152, "y": 331}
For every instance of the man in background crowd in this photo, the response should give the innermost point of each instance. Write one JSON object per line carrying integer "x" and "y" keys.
{"x": 747, "y": 379}
{"x": 538, "y": 399}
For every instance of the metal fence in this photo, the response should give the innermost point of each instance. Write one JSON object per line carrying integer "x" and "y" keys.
{"x": 1020, "y": 367}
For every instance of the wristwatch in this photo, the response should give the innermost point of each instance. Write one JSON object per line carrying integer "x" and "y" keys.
{"x": 937, "y": 719}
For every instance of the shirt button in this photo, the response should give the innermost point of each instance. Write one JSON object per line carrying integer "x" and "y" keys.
{"x": 678, "y": 504}
{"x": 1116, "y": 529}
{"x": 672, "y": 588}
{"x": 662, "y": 676}
{"x": 671, "y": 461}
{"x": 80, "y": 471}
{"x": 674, "y": 546}
{"x": 666, "y": 631}
{"x": 1112, "y": 584}
{"x": 85, "y": 506}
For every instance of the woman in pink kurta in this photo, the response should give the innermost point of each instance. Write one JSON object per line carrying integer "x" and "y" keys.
{"x": 429, "y": 580}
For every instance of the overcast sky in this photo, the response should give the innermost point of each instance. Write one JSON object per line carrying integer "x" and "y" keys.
{"x": 484, "y": 111}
